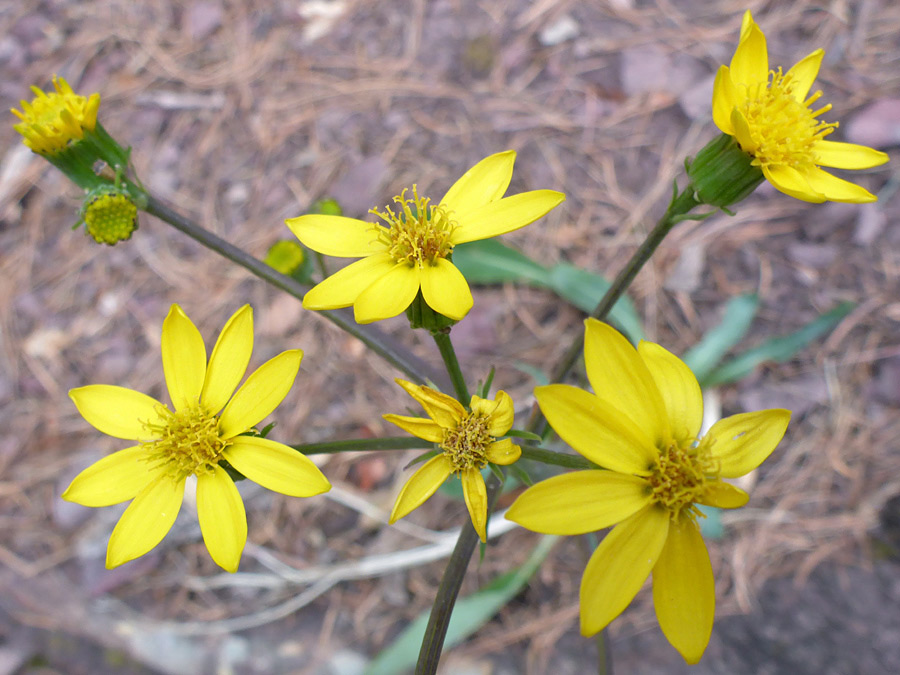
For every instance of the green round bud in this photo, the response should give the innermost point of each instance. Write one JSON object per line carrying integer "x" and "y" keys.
{"x": 722, "y": 174}
{"x": 109, "y": 215}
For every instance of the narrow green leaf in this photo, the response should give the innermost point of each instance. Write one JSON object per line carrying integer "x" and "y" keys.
{"x": 488, "y": 261}
{"x": 487, "y": 383}
{"x": 736, "y": 320}
{"x": 469, "y": 614}
{"x": 537, "y": 374}
{"x": 521, "y": 433}
{"x": 777, "y": 349}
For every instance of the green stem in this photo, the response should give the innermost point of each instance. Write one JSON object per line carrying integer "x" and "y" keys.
{"x": 557, "y": 458}
{"x": 390, "y": 350}
{"x": 439, "y": 619}
{"x": 363, "y": 444}
{"x": 320, "y": 263}
{"x": 442, "y": 339}
{"x": 680, "y": 205}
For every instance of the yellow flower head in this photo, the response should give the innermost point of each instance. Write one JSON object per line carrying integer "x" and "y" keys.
{"x": 51, "y": 121}
{"x": 411, "y": 251}
{"x": 771, "y": 116}
{"x": 467, "y": 440}
{"x": 203, "y": 428}
{"x": 642, "y": 424}
{"x": 110, "y": 217}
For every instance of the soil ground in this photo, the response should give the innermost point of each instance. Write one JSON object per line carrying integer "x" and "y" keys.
{"x": 243, "y": 114}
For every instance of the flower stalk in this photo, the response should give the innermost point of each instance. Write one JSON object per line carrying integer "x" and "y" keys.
{"x": 448, "y": 354}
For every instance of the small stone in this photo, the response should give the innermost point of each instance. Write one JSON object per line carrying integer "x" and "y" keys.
{"x": 563, "y": 29}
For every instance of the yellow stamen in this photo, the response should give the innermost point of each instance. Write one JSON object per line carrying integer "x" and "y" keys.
{"x": 419, "y": 233}
{"x": 187, "y": 442}
{"x": 466, "y": 446}
{"x": 783, "y": 129}
{"x": 681, "y": 476}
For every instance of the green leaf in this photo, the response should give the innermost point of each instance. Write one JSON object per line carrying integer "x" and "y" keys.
{"x": 469, "y": 614}
{"x": 536, "y": 374}
{"x": 488, "y": 261}
{"x": 521, "y": 433}
{"x": 706, "y": 354}
{"x": 778, "y": 349}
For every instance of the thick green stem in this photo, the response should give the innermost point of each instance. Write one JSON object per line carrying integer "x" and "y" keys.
{"x": 363, "y": 444}
{"x": 442, "y": 339}
{"x": 439, "y": 619}
{"x": 390, "y": 350}
{"x": 680, "y": 205}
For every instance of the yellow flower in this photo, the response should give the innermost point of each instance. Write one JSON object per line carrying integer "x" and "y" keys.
{"x": 52, "y": 120}
{"x": 467, "y": 441}
{"x": 771, "y": 117}
{"x": 203, "y": 428}
{"x": 413, "y": 252}
{"x": 642, "y": 425}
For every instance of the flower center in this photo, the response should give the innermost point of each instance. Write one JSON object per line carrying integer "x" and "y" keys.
{"x": 783, "y": 129}
{"x": 466, "y": 446}
{"x": 187, "y": 442}
{"x": 681, "y": 476}
{"x": 419, "y": 233}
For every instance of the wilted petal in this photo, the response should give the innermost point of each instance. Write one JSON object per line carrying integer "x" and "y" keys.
{"x": 619, "y": 567}
{"x": 579, "y": 502}
{"x": 684, "y": 590}
{"x": 503, "y": 452}
{"x": 146, "y": 521}
{"x": 443, "y": 409}
{"x": 223, "y": 521}
{"x": 420, "y": 427}
{"x": 724, "y": 496}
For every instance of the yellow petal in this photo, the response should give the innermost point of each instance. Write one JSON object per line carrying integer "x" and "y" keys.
{"x": 419, "y": 427}
{"x": 229, "y": 360}
{"x": 619, "y": 567}
{"x": 112, "y": 480}
{"x": 620, "y": 378}
{"x": 183, "y": 357}
{"x": 276, "y": 466}
{"x": 260, "y": 394}
{"x": 343, "y": 287}
{"x": 475, "y": 494}
{"x": 741, "y": 442}
{"x": 337, "y": 235}
{"x": 117, "y": 411}
{"x": 503, "y": 452}
{"x": 747, "y": 23}
{"x": 223, "y": 521}
{"x": 579, "y": 502}
{"x": 421, "y": 485}
{"x": 482, "y": 184}
{"x": 443, "y": 409}
{"x": 724, "y": 496}
{"x": 388, "y": 296}
{"x": 146, "y": 521}
{"x": 791, "y": 182}
{"x": 750, "y": 64}
{"x": 804, "y": 74}
{"x": 595, "y": 429}
{"x": 836, "y": 189}
{"x": 724, "y": 100}
{"x": 741, "y": 131}
{"x": 445, "y": 289}
{"x": 847, "y": 155}
{"x": 684, "y": 590}
{"x": 678, "y": 387}
{"x": 500, "y": 411}
{"x": 506, "y": 215}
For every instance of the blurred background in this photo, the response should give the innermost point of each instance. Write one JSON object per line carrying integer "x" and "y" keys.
{"x": 243, "y": 114}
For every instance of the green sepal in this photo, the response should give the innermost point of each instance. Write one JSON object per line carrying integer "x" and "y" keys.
{"x": 421, "y": 315}
{"x": 722, "y": 174}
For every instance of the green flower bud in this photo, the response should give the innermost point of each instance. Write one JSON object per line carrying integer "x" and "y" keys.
{"x": 722, "y": 174}
{"x": 109, "y": 215}
{"x": 421, "y": 315}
